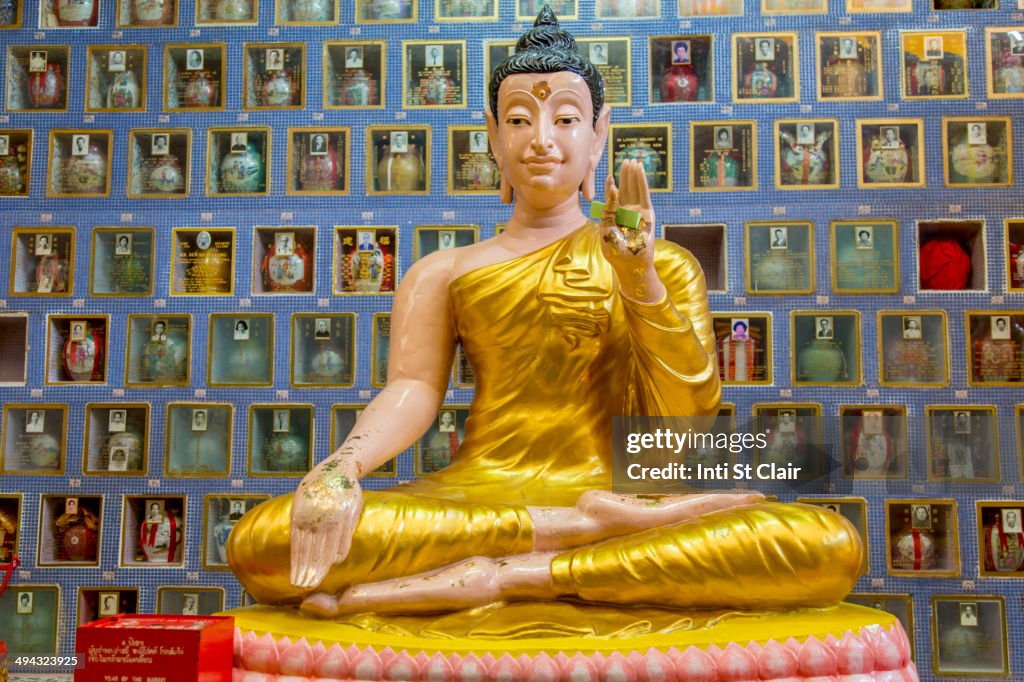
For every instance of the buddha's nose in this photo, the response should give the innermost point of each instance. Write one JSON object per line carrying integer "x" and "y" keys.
{"x": 542, "y": 135}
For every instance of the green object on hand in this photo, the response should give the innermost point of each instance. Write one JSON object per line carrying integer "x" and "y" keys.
{"x": 623, "y": 216}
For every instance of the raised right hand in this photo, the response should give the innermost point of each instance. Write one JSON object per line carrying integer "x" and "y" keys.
{"x": 325, "y": 511}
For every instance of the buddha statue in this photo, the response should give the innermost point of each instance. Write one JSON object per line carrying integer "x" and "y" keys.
{"x": 567, "y": 323}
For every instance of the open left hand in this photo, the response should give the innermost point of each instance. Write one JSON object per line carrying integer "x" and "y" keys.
{"x": 630, "y": 251}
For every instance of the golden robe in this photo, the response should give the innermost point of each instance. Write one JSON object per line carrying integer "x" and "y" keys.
{"x": 558, "y": 353}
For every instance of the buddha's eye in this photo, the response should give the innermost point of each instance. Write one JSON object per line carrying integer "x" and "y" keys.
{"x": 517, "y": 121}
{"x": 566, "y": 120}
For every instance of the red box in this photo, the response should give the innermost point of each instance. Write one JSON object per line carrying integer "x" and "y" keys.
{"x": 148, "y": 648}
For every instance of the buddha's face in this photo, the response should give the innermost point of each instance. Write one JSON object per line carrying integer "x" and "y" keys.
{"x": 546, "y": 141}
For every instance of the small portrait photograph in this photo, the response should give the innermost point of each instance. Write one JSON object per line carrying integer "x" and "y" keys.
{"x": 274, "y": 59}
{"x": 599, "y": 54}
{"x": 921, "y": 517}
{"x": 680, "y": 51}
{"x": 25, "y": 600}
{"x": 43, "y": 245}
{"x": 446, "y": 421}
{"x": 35, "y": 421}
{"x": 116, "y": 421}
{"x": 780, "y": 238}
{"x": 805, "y": 133}
{"x": 158, "y": 331}
{"x": 154, "y": 511}
{"x": 123, "y": 244}
{"x": 478, "y": 142}
{"x": 787, "y": 421}
{"x": 740, "y": 329}
{"x": 823, "y": 328}
{"x": 236, "y": 509}
{"x": 367, "y": 240}
{"x": 961, "y": 422}
{"x": 354, "y": 57}
{"x": 318, "y": 144}
{"x": 199, "y": 420}
{"x": 871, "y": 422}
{"x": 190, "y": 604}
{"x": 890, "y": 137}
{"x": 37, "y": 61}
{"x": 1016, "y": 43}
{"x": 282, "y": 421}
{"x": 193, "y": 59}
{"x": 1000, "y": 327}
{"x": 79, "y": 145}
{"x": 158, "y": 145}
{"x": 284, "y": 243}
{"x": 723, "y": 137}
{"x": 970, "y": 637}
{"x": 969, "y": 614}
{"x": 445, "y": 240}
{"x": 399, "y": 142}
{"x": 1011, "y": 520}
{"x": 108, "y": 604}
{"x": 239, "y": 142}
{"x": 933, "y": 48}
{"x": 912, "y": 326}
{"x": 765, "y": 51}
{"x": 241, "y": 330}
{"x": 434, "y": 55}
{"x": 116, "y": 60}
{"x": 70, "y": 505}
{"x": 322, "y": 331}
{"x": 118, "y": 459}
{"x": 203, "y": 240}
{"x": 5, "y": 145}
{"x": 78, "y": 330}
{"x": 865, "y": 238}
{"x": 848, "y": 47}
{"x": 976, "y": 133}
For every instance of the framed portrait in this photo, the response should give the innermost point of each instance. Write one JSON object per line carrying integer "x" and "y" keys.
{"x": 42, "y": 261}
{"x": 611, "y": 56}
{"x": 343, "y": 419}
{"x": 465, "y": 10}
{"x": 854, "y": 510}
{"x": 969, "y": 636}
{"x": 116, "y": 439}
{"x": 323, "y": 349}
{"x": 79, "y": 163}
{"x": 283, "y": 260}
{"x": 849, "y": 66}
{"x": 963, "y": 443}
{"x": 23, "y": 62}
{"x": 148, "y": 14}
{"x": 765, "y": 68}
{"x": 681, "y": 69}
{"x": 995, "y": 345}
{"x": 398, "y": 160}
{"x": 158, "y": 163}
{"x": 934, "y": 65}
{"x": 153, "y": 529}
{"x": 527, "y": 10}
{"x": 240, "y": 350}
{"x": 354, "y": 74}
{"x": 874, "y": 442}
{"x": 10, "y": 17}
{"x": 307, "y": 13}
{"x": 793, "y": 438}
{"x": 122, "y": 261}
{"x": 1000, "y": 539}
{"x": 365, "y": 259}
{"x": 431, "y": 238}
{"x": 978, "y": 151}
{"x": 16, "y": 157}
{"x": 472, "y": 168}
{"x": 649, "y": 143}
{"x": 189, "y": 601}
{"x": 381, "y": 349}
{"x": 864, "y": 256}
{"x": 1014, "y": 254}
{"x": 769, "y": 7}
{"x": 806, "y": 154}
{"x": 744, "y": 341}
{"x": 434, "y": 74}
{"x": 116, "y": 78}
{"x": 202, "y": 261}
{"x": 628, "y": 9}
{"x": 238, "y": 161}
{"x": 913, "y": 348}
{"x": 62, "y": 521}
{"x": 77, "y": 349}
{"x": 1004, "y": 71}
{"x": 275, "y": 76}
{"x": 709, "y": 8}
{"x": 159, "y": 350}
{"x": 233, "y": 13}
{"x": 890, "y": 153}
{"x": 825, "y": 348}
{"x": 32, "y": 611}
{"x": 194, "y": 76}
{"x": 724, "y": 155}
{"x": 377, "y": 12}
{"x": 220, "y": 514}
{"x": 439, "y": 446}
{"x": 198, "y": 440}
{"x": 923, "y": 538}
{"x": 779, "y": 257}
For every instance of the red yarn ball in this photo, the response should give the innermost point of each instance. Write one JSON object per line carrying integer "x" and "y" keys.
{"x": 944, "y": 264}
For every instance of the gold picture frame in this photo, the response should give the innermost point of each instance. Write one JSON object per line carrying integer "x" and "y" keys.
{"x": 98, "y": 249}
{"x": 342, "y": 135}
{"x": 653, "y": 137}
{"x": 54, "y": 327}
{"x": 1003, "y": 149}
{"x": 773, "y": 238}
{"x": 951, "y": 534}
{"x": 921, "y": 52}
{"x": 378, "y": 138}
{"x": 369, "y": 78}
{"x": 915, "y": 165}
{"x": 744, "y": 159}
{"x": 56, "y": 157}
{"x": 176, "y": 54}
{"x": 189, "y": 410}
{"x": 891, "y": 421}
{"x": 254, "y": 56}
{"x": 966, "y": 651}
{"x": 822, "y": 354}
{"x": 797, "y": 161}
{"x": 725, "y": 336}
{"x": 255, "y": 412}
{"x": 180, "y": 269}
{"x": 749, "y": 63}
{"x": 998, "y": 86}
{"x": 23, "y": 246}
{"x": 840, "y": 84}
{"x": 62, "y": 442}
{"x": 19, "y": 144}
{"x": 135, "y": 145}
{"x": 250, "y": 331}
{"x": 855, "y": 267}
{"x": 969, "y": 414}
{"x": 910, "y": 358}
{"x": 132, "y": 379}
{"x": 90, "y": 442}
{"x": 96, "y": 56}
{"x": 346, "y": 378}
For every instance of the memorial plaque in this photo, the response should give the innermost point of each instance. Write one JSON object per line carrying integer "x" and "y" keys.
{"x": 779, "y": 258}
{"x": 934, "y": 65}
{"x": 913, "y": 349}
{"x": 611, "y": 57}
{"x": 995, "y": 348}
{"x": 203, "y": 261}
{"x": 434, "y": 74}
{"x": 864, "y": 257}
{"x": 765, "y": 68}
{"x": 825, "y": 348}
{"x": 724, "y": 155}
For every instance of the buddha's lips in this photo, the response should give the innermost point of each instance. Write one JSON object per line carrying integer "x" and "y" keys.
{"x": 542, "y": 163}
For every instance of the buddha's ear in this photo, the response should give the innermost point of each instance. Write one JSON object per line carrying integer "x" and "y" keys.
{"x": 492, "y": 139}
{"x": 600, "y": 139}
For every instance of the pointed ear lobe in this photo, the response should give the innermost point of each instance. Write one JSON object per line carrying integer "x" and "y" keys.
{"x": 499, "y": 157}
{"x": 600, "y": 139}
